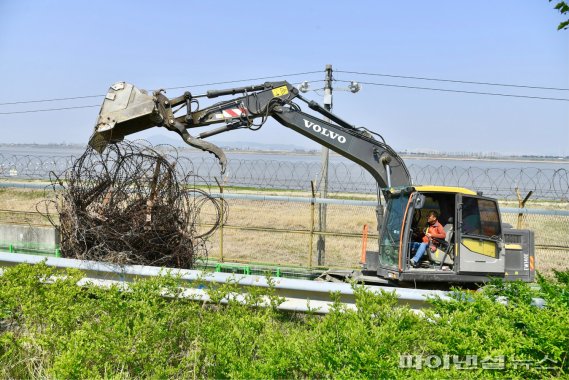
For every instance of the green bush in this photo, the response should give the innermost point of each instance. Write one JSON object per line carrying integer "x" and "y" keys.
{"x": 52, "y": 328}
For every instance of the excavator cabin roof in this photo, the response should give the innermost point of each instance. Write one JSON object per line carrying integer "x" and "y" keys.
{"x": 444, "y": 189}
{"x": 433, "y": 189}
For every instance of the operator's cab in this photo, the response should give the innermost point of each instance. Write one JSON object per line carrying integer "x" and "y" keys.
{"x": 475, "y": 247}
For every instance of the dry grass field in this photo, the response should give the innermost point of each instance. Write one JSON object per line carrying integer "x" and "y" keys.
{"x": 279, "y": 232}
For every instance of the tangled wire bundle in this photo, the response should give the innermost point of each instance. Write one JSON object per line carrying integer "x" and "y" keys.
{"x": 133, "y": 205}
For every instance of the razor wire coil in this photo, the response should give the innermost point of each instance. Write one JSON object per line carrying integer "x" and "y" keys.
{"x": 545, "y": 183}
{"x": 130, "y": 205}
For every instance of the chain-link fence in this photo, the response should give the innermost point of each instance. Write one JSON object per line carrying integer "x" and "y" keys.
{"x": 283, "y": 230}
{"x": 344, "y": 176}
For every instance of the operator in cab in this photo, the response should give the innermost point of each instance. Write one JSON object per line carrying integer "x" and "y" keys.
{"x": 434, "y": 230}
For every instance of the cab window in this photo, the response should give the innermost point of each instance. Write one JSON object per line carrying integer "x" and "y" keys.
{"x": 480, "y": 217}
{"x": 391, "y": 229}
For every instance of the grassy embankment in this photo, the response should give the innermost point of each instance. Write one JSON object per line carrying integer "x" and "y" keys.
{"x": 55, "y": 329}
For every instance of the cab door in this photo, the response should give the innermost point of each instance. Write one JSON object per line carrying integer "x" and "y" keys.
{"x": 479, "y": 236}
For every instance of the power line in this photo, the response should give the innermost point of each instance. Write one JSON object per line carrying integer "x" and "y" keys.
{"x": 459, "y": 91}
{"x": 297, "y": 74}
{"x": 247, "y": 80}
{"x": 51, "y": 100}
{"x": 48, "y": 109}
{"x": 77, "y": 107}
{"x": 168, "y": 88}
{"x": 453, "y": 81}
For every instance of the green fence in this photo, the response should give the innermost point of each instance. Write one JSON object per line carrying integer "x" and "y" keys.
{"x": 280, "y": 231}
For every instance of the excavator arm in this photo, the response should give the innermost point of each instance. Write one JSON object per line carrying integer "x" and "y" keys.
{"x": 127, "y": 109}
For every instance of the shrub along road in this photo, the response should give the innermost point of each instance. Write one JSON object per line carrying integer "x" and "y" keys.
{"x": 61, "y": 330}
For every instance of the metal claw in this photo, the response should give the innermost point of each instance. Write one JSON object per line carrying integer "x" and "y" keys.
{"x": 208, "y": 147}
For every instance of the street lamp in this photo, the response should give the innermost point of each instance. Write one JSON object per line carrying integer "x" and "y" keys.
{"x": 354, "y": 87}
{"x": 304, "y": 86}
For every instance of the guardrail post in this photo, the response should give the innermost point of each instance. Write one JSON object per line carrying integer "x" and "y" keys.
{"x": 57, "y": 252}
{"x": 11, "y": 248}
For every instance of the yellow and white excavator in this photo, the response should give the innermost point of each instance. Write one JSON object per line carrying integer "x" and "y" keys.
{"x": 477, "y": 245}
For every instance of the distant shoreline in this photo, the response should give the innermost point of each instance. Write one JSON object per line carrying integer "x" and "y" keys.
{"x": 497, "y": 159}
{"x": 413, "y": 156}
{"x": 405, "y": 156}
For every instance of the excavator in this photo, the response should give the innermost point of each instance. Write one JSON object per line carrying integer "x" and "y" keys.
{"x": 477, "y": 245}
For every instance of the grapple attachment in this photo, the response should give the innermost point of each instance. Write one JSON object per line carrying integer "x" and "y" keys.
{"x": 128, "y": 109}
{"x": 125, "y": 110}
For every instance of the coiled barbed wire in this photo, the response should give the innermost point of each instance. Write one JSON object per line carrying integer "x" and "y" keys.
{"x": 297, "y": 172}
{"x": 133, "y": 204}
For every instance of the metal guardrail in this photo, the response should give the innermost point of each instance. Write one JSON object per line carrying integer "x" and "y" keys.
{"x": 299, "y": 295}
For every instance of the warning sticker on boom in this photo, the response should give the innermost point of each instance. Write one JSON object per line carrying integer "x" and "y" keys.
{"x": 280, "y": 91}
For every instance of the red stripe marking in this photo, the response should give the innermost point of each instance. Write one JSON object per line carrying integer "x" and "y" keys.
{"x": 232, "y": 113}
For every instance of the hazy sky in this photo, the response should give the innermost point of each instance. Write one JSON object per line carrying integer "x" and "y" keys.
{"x": 57, "y": 49}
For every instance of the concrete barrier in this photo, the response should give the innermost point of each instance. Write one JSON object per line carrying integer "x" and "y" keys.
{"x": 34, "y": 238}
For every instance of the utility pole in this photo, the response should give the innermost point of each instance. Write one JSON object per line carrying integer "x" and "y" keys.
{"x": 325, "y": 156}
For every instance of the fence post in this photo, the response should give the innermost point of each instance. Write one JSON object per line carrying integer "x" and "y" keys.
{"x": 521, "y": 204}
{"x": 152, "y": 197}
{"x": 312, "y": 210}
{"x": 364, "y": 245}
{"x": 221, "y": 217}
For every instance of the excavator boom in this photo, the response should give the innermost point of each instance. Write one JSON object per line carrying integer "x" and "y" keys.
{"x": 127, "y": 110}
